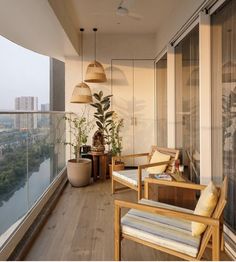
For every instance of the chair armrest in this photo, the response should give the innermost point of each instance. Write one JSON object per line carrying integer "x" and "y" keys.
{"x": 167, "y": 212}
{"x": 173, "y": 183}
{"x": 129, "y": 156}
{"x": 155, "y": 164}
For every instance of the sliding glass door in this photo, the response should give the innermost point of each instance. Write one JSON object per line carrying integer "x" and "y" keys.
{"x": 161, "y": 93}
{"x": 187, "y": 103}
{"x": 224, "y": 103}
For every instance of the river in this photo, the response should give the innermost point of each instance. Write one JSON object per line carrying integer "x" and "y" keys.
{"x": 23, "y": 199}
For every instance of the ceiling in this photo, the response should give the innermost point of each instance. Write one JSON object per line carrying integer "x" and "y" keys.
{"x": 102, "y": 14}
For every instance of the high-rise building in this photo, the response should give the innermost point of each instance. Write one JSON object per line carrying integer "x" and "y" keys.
{"x": 26, "y": 103}
{"x": 45, "y": 107}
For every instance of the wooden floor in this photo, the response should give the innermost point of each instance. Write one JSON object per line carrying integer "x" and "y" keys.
{"x": 81, "y": 228}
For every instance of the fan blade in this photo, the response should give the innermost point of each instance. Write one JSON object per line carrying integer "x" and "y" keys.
{"x": 127, "y": 3}
{"x": 135, "y": 16}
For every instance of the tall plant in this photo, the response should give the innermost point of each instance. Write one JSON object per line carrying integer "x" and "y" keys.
{"x": 103, "y": 115}
{"x": 80, "y": 127}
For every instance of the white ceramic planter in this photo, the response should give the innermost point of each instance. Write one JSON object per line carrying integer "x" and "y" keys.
{"x": 79, "y": 174}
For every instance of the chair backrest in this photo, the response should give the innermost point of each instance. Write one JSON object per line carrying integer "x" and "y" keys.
{"x": 174, "y": 155}
{"x": 223, "y": 192}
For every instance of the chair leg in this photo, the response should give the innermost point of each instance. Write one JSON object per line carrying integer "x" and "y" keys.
{"x": 117, "y": 236}
{"x": 216, "y": 244}
{"x": 222, "y": 242}
{"x": 113, "y": 186}
{"x": 139, "y": 192}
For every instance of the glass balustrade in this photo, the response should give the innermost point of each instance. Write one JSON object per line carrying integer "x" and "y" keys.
{"x": 32, "y": 154}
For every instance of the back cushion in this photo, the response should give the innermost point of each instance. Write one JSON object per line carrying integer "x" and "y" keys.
{"x": 158, "y": 157}
{"x": 205, "y": 207}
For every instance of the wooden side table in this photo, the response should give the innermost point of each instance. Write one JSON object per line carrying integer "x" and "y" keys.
{"x": 99, "y": 165}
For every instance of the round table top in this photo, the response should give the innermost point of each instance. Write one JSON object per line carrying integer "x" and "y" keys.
{"x": 94, "y": 153}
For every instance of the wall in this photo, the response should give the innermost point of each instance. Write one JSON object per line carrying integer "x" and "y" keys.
{"x": 108, "y": 47}
{"x": 57, "y": 85}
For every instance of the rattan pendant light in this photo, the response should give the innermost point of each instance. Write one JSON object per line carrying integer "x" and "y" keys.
{"x": 95, "y": 71}
{"x": 81, "y": 92}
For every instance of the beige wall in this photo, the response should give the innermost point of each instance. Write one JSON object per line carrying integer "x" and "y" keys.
{"x": 108, "y": 47}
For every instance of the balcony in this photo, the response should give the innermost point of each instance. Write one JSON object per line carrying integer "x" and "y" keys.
{"x": 170, "y": 67}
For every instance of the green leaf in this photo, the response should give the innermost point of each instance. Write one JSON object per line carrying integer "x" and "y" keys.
{"x": 100, "y": 118}
{"x": 97, "y": 96}
{"x": 100, "y": 94}
{"x": 100, "y": 111}
{"x": 94, "y": 105}
{"x": 107, "y": 97}
{"x": 109, "y": 114}
{"x": 106, "y": 106}
{"x": 99, "y": 125}
{"x": 104, "y": 101}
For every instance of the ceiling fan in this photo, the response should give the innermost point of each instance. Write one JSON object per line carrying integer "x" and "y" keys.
{"x": 123, "y": 10}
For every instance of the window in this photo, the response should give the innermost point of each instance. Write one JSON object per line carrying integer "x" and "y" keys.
{"x": 161, "y": 92}
{"x": 224, "y": 102}
{"x": 187, "y": 102}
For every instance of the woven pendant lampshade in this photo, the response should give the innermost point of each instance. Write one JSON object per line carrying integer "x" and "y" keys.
{"x": 95, "y": 71}
{"x": 81, "y": 93}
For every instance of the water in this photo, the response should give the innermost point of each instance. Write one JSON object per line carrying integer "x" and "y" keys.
{"x": 23, "y": 198}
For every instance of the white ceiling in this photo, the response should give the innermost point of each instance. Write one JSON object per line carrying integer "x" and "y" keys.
{"x": 102, "y": 14}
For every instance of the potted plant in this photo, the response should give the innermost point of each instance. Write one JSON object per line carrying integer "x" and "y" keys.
{"x": 79, "y": 169}
{"x": 103, "y": 115}
{"x": 116, "y": 142}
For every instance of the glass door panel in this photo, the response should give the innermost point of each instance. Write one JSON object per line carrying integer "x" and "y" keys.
{"x": 224, "y": 103}
{"x": 187, "y": 103}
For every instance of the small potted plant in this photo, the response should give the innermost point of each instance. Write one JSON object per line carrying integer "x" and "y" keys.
{"x": 79, "y": 169}
{"x": 116, "y": 142}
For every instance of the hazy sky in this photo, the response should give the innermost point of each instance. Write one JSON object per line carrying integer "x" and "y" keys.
{"x": 22, "y": 73}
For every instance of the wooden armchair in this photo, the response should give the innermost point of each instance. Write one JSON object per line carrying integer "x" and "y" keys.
{"x": 168, "y": 228}
{"x": 134, "y": 178}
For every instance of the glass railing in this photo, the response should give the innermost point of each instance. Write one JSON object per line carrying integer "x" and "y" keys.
{"x": 32, "y": 154}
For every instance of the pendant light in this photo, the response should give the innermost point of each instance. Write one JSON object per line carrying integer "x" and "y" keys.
{"x": 95, "y": 71}
{"x": 82, "y": 92}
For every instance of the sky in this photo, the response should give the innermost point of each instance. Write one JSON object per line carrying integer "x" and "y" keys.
{"x": 22, "y": 73}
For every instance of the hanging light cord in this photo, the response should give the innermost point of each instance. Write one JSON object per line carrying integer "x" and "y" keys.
{"x": 95, "y": 44}
{"x": 82, "y": 54}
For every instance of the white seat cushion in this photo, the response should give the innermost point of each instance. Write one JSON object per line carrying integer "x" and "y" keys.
{"x": 130, "y": 175}
{"x": 175, "y": 234}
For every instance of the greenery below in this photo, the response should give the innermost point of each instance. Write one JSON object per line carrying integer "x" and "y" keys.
{"x": 13, "y": 167}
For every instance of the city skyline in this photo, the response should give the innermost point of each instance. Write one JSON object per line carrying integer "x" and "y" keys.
{"x": 23, "y": 73}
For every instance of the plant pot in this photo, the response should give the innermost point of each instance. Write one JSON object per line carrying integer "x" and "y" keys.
{"x": 79, "y": 173}
{"x": 117, "y": 167}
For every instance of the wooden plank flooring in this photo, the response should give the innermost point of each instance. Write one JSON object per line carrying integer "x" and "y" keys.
{"x": 81, "y": 228}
